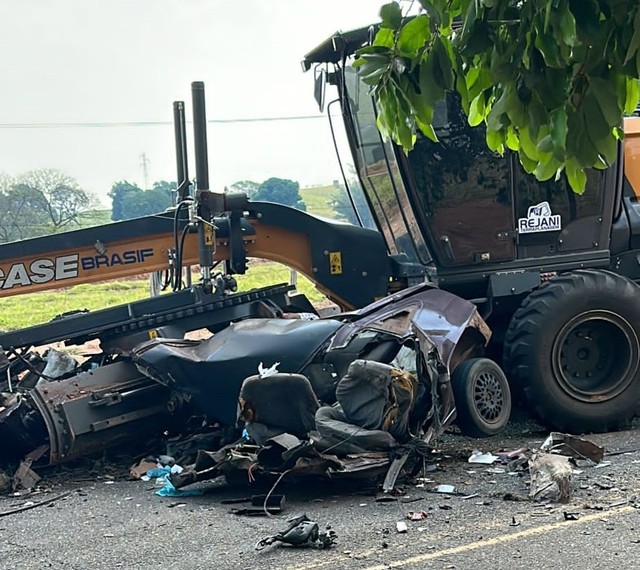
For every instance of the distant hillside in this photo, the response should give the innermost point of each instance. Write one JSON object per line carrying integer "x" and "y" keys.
{"x": 317, "y": 200}
{"x": 94, "y": 218}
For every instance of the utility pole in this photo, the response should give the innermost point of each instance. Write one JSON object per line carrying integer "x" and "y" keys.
{"x": 144, "y": 161}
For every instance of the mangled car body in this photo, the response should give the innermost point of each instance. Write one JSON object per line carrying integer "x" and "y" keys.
{"x": 417, "y": 337}
{"x": 428, "y": 323}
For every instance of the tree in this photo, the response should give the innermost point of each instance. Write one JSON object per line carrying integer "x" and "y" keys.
{"x": 145, "y": 203}
{"x": 281, "y": 191}
{"x": 165, "y": 188}
{"x": 550, "y": 79}
{"x": 118, "y": 194}
{"x": 55, "y": 195}
{"x": 130, "y": 201}
{"x": 40, "y": 202}
{"x": 23, "y": 218}
{"x": 249, "y": 187}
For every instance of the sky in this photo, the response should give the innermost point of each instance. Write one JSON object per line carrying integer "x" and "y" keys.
{"x": 79, "y": 76}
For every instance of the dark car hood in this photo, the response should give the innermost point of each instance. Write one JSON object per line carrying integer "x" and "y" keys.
{"x": 212, "y": 371}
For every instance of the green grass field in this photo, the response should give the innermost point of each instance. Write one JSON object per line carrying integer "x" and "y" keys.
{"x": 317, "y": 200}
{"x": 22, "y": 311}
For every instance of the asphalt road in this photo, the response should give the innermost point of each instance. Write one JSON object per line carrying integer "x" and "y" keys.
{"x": 106, "y": 521}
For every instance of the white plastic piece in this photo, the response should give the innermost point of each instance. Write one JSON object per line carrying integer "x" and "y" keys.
{"x": 482, "y": 458}
{"x": 266, "y": 372}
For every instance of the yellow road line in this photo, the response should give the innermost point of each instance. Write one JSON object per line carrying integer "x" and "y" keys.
{"x": 498, "y": 540}
{"x": 322, "y": 564}
{"x": 470, "y": 546}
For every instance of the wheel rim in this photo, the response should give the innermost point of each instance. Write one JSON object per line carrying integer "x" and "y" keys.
{"x": 595, "y": 356}
{"x": 488, "y": 397}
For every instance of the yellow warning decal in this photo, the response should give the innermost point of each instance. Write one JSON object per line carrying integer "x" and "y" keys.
{"x": 153, "y": 333}
{"x": 335, "y": 262}
{"x": 208, "y": 234}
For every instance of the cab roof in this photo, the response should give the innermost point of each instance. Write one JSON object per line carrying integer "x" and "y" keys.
{"x": 339, "y": 46}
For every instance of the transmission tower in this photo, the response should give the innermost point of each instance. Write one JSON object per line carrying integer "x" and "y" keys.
{"x": 144, "y": 161}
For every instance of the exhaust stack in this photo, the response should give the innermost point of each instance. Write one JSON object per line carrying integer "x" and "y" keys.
{"x": 182, "y": 166}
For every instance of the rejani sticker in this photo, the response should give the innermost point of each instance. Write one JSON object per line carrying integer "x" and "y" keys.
{"x": 539, "y": 219}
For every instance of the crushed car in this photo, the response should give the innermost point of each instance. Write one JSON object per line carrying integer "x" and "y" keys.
{"x": 348, "y": 390}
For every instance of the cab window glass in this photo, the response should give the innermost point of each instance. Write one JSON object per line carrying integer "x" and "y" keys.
{"x": 463, "y": 190}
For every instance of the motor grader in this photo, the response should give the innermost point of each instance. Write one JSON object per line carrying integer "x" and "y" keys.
{"x": 555, "y": 274}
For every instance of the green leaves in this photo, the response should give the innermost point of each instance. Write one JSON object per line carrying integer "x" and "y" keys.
{"x": 576, "y": 175}
{"x": 604, "y": 92}
{"x": 632, "y": 95}
{"x": 559, "y": 128}
{"x": 413, "y": 36}
{"x": 391, "y": 15}
{"x": 373, "y": 64}
{"x": 634, "y": 44}
{"x": 477, "y": 110}
{"x": 394, "y": 115}
{"x": 548, "y": 79}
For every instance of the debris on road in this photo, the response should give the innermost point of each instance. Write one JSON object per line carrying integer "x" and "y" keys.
{"x": 360, "y": 396}
{"x": 6, "y": 483}
{"x": 259, "y": 505}
{"x": 31, "y": 505}
{"x": 508, "y": 456}
{"x": 550, "y": 478}
{"x": 301, "y": 531}
{"x": 417, "y": 515}
{"x": 514, "y": 497}
{"x": 572, "y": 446}
{"x": 141, "y": 468}
{"x": 478, "y": 456}
{"x": 446, "y": 489}
{"x": 401, "y": 527}
{"x": 25, "y": 477}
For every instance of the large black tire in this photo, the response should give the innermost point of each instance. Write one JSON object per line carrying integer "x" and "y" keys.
{"x": 482, "y": 396}
{"x": 574, "y": 347}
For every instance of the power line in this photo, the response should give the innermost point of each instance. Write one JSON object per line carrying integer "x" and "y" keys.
{"x": 106, "y": 125}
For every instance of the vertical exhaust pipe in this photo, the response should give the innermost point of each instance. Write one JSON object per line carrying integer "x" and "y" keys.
{"x": 206, "y": 236}
{"x": 200, "y": 135}
{"x": 182, "y": 167}
{"x": 183, "y": 190}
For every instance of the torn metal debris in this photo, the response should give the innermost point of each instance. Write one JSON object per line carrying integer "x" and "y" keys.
{"x": 270, "y": 504}
{"x": 301, "y": 531}
{"x": 572, "y": 446}
{"x": 25, "y": 477}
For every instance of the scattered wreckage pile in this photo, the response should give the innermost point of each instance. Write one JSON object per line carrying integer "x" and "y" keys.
{"x": 363, "y": 394}
{"x": 358, "y": 393}
{"x": 550, "y": 467}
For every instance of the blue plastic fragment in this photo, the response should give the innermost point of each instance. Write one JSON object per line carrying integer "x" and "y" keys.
{"x": 170, "y": 491}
